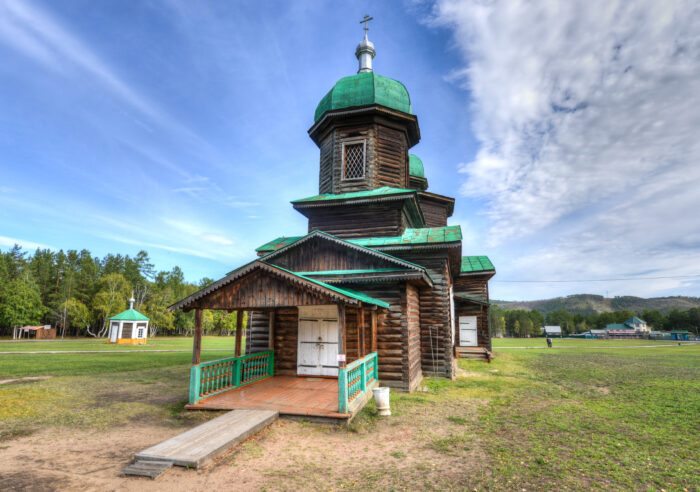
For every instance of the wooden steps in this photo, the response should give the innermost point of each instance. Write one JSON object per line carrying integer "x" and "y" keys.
{"x": 197, "y": 447}
{"x": 146, "y": 468}
{"x": 474, "y": 353}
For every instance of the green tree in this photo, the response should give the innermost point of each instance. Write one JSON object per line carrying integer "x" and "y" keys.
{"x": 20, "y": 303}
{"x": 110, "y": 300}
{"x": 77, "y": 315}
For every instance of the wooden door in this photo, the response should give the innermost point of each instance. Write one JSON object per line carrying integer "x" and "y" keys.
{"x": 467, "y": 331}
{"x": 318, "y": 341}
{"x": 114, "y": 332}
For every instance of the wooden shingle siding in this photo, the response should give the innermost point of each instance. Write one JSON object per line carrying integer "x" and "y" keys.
{"x": 127, "y": 330}
{"x": 475, "y": 285}
{"x": 391, "y": 165}
{"x": 372, "y": 219}
{"x": 318, "y": 254}
{"x": 435, "y": 214}
{"x": 259, "y": 289}
{"x": 325, "y": 178}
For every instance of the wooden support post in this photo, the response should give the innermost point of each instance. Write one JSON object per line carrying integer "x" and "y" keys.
{"x": 271, "y": 331}
{"x": 197, "y": 343}
{"x": 341, "y": 334}
{"x": 373, "y": 330}
{"x": 361, "y": 332}
{"x": 239, "y": 331}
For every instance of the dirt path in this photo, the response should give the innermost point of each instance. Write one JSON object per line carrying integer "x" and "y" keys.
{"x": 289, "y": 455}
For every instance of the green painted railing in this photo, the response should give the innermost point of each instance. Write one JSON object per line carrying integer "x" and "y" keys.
{"x": 357, "y": 378}
{"x": 216, "y": 376}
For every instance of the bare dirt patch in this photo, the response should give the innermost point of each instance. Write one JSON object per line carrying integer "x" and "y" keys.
{"x": 290, "y": 455}
{"x": 28, "y": 379}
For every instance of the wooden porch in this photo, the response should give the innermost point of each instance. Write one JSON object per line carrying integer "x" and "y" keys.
{"x": 289, "y": 395}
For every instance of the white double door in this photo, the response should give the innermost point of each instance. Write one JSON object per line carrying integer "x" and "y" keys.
{"x": 317, "y": 352}
{"x": 467, "y": 331}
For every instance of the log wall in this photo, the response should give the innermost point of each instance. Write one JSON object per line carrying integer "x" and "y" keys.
{"x": 435, "y": 213}
{"x": 435, "y": 317}
{"x": 371, "y": 219}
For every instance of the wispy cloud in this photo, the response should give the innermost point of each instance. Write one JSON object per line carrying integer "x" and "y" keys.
{"x": 587, "y": 114}
{"x": 11, "y": 241}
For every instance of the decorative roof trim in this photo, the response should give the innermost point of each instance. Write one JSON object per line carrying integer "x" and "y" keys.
{"x": 320, "y": 287}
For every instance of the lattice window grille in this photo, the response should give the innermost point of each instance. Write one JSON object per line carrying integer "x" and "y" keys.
{"x": 354, "y": 158}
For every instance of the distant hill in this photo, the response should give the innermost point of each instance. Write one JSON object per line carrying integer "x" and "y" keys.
{"x": 591, "y": 304}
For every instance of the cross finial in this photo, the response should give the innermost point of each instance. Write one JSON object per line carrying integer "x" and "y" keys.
{"x": 364, "y": 21}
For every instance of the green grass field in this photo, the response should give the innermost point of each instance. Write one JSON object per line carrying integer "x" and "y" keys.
{"x": 580, "y": 418}
{"x": 574, "y": 342}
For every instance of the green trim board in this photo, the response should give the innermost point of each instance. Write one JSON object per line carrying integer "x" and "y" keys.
{"x": 426, "y": 235}
{"x": 472, "y": 264}
{"x": 129, "y": 315}
{"x": 364, "y": 89}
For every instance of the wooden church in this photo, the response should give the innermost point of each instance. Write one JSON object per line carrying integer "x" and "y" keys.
{"x": 377, "y": 291}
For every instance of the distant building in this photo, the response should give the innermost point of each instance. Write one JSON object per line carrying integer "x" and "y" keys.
{"x": 129, "y": 327}
{"x": 632, "y": 328}
{"x": 552, "y": 331}
{"x": 637, "y": 324}
{"x": 599, "y": 333}
{"x": 44, "y": 332}
{"x": 680, "y": 335}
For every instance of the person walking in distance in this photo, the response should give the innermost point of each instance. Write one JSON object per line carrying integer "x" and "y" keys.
{"x": 549, "y": 342}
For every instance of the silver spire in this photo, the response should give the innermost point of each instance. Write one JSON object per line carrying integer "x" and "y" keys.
{"x": 365, "y": 50}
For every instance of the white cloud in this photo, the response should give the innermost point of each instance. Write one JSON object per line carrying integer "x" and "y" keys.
{"x": 588, "y": 116}
{"x": 11, "y": 241}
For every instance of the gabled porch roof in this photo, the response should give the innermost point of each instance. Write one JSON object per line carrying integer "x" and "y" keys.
{"x": 333, "y": 293}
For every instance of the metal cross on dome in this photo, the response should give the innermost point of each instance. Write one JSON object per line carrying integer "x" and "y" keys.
{"x": 364, "y": 21}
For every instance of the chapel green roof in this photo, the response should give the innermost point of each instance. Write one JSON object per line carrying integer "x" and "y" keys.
{"x": 415, "y": 166}
{"x": 634, "y": 319}
{"x": 130, "y": 315}
{"x": 424, "y": 235}
{"x": 471, "y": 264}
{"x": 364, "y": 89}
{"x": 377, "y": 192}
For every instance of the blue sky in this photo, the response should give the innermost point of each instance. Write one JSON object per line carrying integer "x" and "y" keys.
{"x": 567, "y": 133}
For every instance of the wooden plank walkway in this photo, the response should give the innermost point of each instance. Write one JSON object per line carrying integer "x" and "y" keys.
{"x": 289, "y": 395}
{"x": 198, "y": 446}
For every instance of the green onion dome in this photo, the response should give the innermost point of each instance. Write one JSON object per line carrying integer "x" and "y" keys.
{"x": 415, "y": 166}
{"x": 364, "y": 89}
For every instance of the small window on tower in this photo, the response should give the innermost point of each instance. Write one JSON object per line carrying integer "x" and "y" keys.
{"x": 354, "y": 159}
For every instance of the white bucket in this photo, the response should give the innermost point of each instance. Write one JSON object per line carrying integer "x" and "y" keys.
{"x": 381, "y": 398}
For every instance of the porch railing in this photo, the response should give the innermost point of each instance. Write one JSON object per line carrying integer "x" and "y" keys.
{"x": 216, "y": 376}
{"x": 359, "y": 377}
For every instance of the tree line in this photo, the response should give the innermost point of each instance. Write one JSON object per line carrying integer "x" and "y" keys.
{"x": 524, "y": 323}
{"x": 77, "y": 293}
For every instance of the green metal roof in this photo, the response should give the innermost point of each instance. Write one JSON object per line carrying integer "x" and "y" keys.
{"x": 476, "y": 264}
{"x": 364, "y": 89}
{"x": 377, "y": 192}
{"x": 130, "y": 315}
{"x": 425, "y": 235}
{"x": 278, "y": 243}
{"x": 617, "y": 326}
{"x": 415, "y": 166}
{"x": 634, "y": 319}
